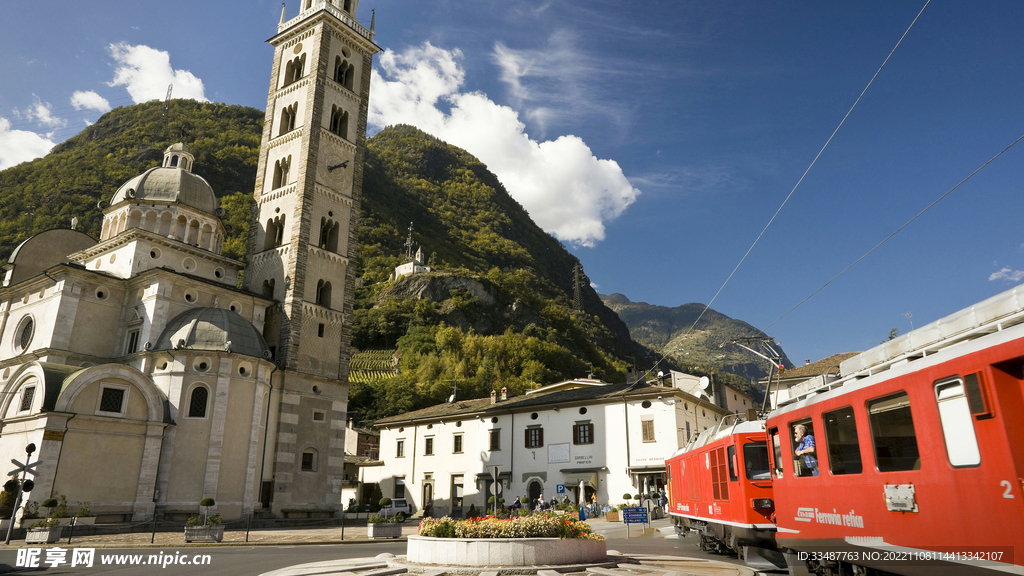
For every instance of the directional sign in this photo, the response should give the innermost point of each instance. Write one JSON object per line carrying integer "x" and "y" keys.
{"x": 634, "y": 515}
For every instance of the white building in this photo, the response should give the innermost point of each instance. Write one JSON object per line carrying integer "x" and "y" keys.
{"x": 613, "y": 438}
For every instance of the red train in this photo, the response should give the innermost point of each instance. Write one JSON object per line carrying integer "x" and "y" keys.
{"x": 917, "y": 465}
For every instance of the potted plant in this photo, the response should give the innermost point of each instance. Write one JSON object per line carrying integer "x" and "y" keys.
{"x": 612, "y": 515}
{"x": 380, "y": 527}
{"x": 208, "y": 528}
{"x": 44, "y": 532}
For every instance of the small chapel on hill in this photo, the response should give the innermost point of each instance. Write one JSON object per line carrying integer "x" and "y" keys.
{"x": 145, "y": 376}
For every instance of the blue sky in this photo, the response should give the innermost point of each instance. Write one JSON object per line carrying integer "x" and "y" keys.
{"x": 656, "y": 139}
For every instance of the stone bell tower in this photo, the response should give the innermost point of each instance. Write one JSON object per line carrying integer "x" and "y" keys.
{"x": 302, "y": 241}
{"x": 308, "y": 185}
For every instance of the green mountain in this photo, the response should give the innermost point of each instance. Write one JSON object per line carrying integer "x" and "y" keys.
{"x": 695, "y": 348}
{"x": 498, "y": 309}
{"x": 47, "y": 192}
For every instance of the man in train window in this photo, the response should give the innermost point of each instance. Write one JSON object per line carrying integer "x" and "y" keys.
{"x": 805, "y": 447}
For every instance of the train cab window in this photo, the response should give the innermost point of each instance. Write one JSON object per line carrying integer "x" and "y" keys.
{"x": 755, "y": 461}
{"x": 957, "y": 424}
{"x": 732, "y": 463}
{"x": 841, "y": 436}
{"x": 773, "y": 434}
{"x": 892, "y": 431}
{"x": 805, "y": 449}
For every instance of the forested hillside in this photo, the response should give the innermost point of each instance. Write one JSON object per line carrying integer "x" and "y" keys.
{"x": 498, "y": 308}
{"x": 68, "y": 182}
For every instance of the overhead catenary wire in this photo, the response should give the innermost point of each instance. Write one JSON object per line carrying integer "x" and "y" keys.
{"x": 897, "y": 231}
{"x": 797, "y": 185}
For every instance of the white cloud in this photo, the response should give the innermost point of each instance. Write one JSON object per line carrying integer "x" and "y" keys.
{"x": 17, "y": 146}
{"x": 89, "y": 100}
{"x": 146, "y": 72}
{"x": 567, "y": 190}
{"x": 40, "y": 112}
{"x": 1008, "y": 275}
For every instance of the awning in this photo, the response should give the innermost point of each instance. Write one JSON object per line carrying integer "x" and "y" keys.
{"x": 572, "y": 479}
{"x": 650, "y": 469}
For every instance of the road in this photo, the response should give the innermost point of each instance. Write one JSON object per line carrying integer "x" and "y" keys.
{"x": 253, "y": 560}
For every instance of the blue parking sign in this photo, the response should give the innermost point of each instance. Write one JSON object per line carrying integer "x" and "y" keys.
{"x": 560, "y": 489}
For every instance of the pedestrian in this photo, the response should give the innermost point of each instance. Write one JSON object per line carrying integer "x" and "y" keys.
{"x": 540, "y": 502}
{"x": 663, "y": 499}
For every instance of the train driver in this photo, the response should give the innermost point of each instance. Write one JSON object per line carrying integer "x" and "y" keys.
{"x": 805, "y": 447}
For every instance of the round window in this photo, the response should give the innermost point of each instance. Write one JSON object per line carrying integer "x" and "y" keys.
{"x": 533, "y": 416}
{"x": 154, "y": 253}
{"x": 219, "y": 273}
{"x": 494, "y": 420}
{"x": 646, "y": 404}
{"x": 583, "y": 410}
{"x": 202, "y": 364}
{"x": 23, "y": 335}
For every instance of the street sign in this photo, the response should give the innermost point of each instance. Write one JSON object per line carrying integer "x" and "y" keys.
{"x": 560, "y": 488}
{"x": 634, "y": 515}
{"x": 496, "y": 488}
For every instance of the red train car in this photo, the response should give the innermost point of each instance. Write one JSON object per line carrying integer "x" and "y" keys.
{"x": 719, "y": 486}
{"x": 918, "y": 460}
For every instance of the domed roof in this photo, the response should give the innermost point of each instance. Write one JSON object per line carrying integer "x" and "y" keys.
{"x": 213, "y": 329}
{"x": 170, "y": 185}
{"x": 171, "y": 182}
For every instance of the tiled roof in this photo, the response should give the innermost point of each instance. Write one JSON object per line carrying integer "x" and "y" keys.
{"x": 482, "y": 406}
{"x": 823, "y": 366}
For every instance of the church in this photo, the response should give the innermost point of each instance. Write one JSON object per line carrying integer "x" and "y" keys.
{"x": 148, "y": 375}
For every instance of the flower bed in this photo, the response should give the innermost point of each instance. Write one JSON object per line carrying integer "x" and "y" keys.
{"x": 534, "y": 540}
{"x": 533, "y": 526}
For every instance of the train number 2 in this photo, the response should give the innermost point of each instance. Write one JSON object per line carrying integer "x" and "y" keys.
{"x": 1009, "y": 488}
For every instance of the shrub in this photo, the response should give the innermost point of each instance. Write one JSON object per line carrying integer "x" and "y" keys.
{"x": 48, "y": 523}
{"x": 383, "y": 502}
{"x": 378, "y": 519}
{"x": 61, "y": 510}
{"x": 84, "y": 509}
{"x": 49, "y": 504}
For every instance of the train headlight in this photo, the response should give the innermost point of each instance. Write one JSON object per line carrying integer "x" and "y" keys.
{"x": 763, "y": 503}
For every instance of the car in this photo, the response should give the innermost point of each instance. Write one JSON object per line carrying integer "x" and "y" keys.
{"x": 399, "y": 507}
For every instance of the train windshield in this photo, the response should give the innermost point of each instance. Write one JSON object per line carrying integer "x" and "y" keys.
{"x": 755, "y": 458}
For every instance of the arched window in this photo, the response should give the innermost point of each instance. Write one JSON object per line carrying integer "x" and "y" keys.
{"x": 198, "y": 401}
{"x": 339, "y": 122}
{"x": 174, "y": 160}
{"x": 268, "y": 288}
{"x": 288, "y": 114}
{"x": 344, "y": 72}
{"x": 323, "y": 293}
{"x": 309, "y": 460}
{"x": 294, "y": 69}
{"x": 328, "y": 235}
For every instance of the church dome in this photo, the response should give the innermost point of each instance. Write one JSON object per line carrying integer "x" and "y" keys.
{"x": 173, "y": 181}
{"x": 213, "y": 329}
